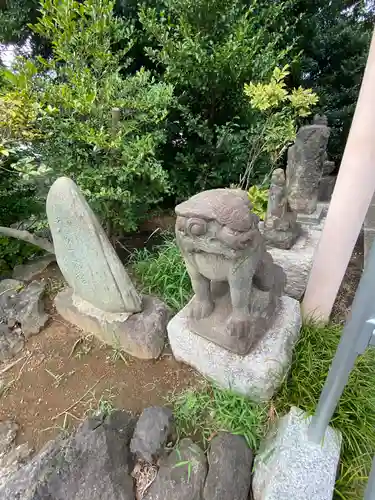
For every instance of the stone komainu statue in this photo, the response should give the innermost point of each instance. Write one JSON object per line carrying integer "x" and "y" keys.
{"x": 235, "y": 281}
{"x": 306, "y": 159}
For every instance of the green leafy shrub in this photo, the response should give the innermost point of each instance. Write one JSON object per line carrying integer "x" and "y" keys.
{"x": 208, "y": 50}
{"x": 73, "y": 94}
{"x": 14, "y": 252}
{"x": 258, "y": 196}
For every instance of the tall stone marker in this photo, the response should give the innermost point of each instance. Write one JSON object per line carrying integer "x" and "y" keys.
{"x": 101, "y": 298}
{"x": 305, "y": 165}
{"x": 238, "y": 329}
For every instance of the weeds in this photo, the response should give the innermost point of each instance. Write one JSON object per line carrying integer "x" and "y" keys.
{"x": 182, "y": 464}
{"x": 206, "y": 411}
{"x": 117, "y": 351}
{"x": 105, "y": 404}
{"x": 164, "y": 274}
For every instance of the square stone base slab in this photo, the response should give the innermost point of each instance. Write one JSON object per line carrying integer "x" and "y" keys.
{"x": 142, "y": 334}
{"x": 290, "y": 467}
{"x": 314, "y": 218}
{"x": 257, "y": 374}
{"x": 297, "y": 261}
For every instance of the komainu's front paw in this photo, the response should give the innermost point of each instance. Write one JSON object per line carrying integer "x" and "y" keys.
{"x": 199, "y": 309}
{"x": 239, "y": 324}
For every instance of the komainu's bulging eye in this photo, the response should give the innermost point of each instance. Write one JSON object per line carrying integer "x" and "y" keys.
{"x": 197, "y": 227}
{"x": 180, "y": 224}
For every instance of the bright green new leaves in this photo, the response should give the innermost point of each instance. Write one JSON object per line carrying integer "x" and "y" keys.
{"x": 258, "y": 195}
{"x": 269, "y": 95}
{"x": 279, "y": 111}
{"x": 264, "y": 96}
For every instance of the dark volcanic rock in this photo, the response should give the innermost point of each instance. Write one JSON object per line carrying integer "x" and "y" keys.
{"x": 181, "y": 475}
{"x": 11, "y": 342}
{"x": 153, "y": 429}
{"x": 94, "y": 464}
{"x": 229, "y": 475}
{"x": 22, "y": 304}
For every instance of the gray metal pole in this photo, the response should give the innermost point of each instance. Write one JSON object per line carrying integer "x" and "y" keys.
{"x": 356, "y": 337}
{"x": 116, "y": 117}
{"x": 370, "y": 490}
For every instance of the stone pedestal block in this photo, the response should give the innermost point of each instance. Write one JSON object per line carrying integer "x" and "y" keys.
{"x": 257, "y": 374}
{"x": 289, "y": 466}
{"x": 297, "y": 261}
{"x": 140, "y": 334}
{"x": 313, "y": 218}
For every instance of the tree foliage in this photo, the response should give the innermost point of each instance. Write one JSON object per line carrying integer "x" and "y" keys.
{"x": 74, "y": 92}
{"x": 333, "y": 38}
{"x": 208, "y": 50}
{"x": 90, "y": 56}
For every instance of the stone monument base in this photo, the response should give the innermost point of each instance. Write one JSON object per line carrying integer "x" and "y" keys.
{"x": 297, "y": 261}
{"x": 289, "y": 466}
{"x": 281, "y": 239}
{"x": 257, "y": 374}
{"x": 314, "y": 218}
{"x": 141, "y": 334}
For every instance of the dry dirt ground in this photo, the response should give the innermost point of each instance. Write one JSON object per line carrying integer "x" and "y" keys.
{"x": 62, "y": 376}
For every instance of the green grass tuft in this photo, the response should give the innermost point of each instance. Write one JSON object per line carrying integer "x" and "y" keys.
{"x": 202, "y": 413}
{"x": 163, "y": 273}
{"x": 355, "y": 414}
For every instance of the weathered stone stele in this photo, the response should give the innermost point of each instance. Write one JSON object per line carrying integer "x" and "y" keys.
{"x": 328, "y": 181}
{"x": 84, "y": 254}
{"x": 305, "y": 165}
{"x": 101, "y": 299}
{"x": 280, "y": 226}
{"x": 235, "y": 281}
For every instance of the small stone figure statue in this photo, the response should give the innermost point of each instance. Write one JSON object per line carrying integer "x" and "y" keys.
{"x": 328, "y": 166}
{"x": 305, "y": 165}
{"x": 235, "y": 281}
{"x": 280, "y": 226}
